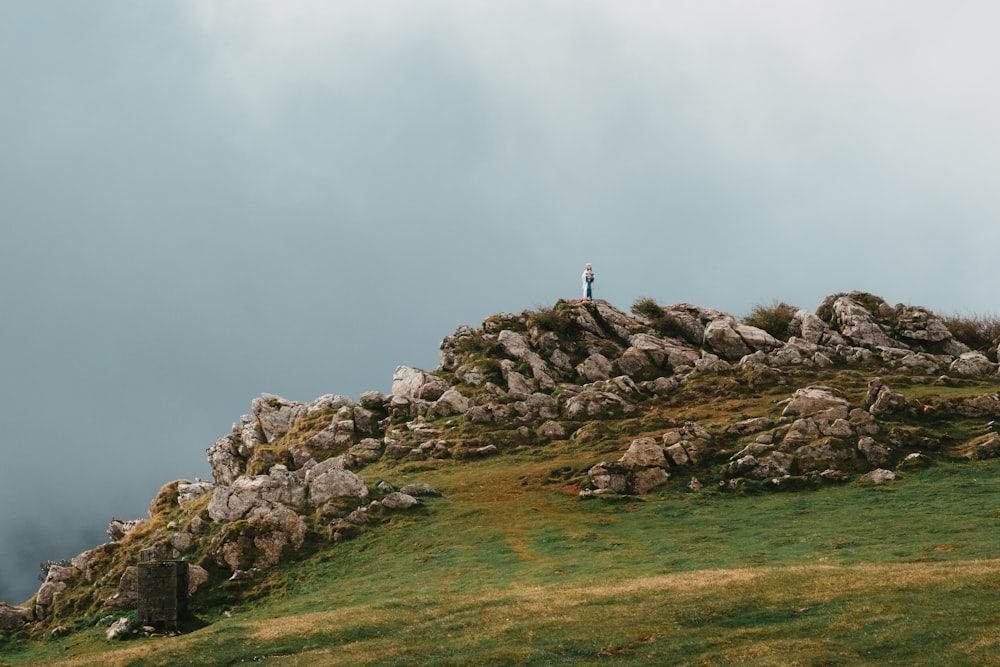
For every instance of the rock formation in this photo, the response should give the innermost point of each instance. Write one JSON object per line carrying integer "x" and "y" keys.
{"x": 292, "y": 474}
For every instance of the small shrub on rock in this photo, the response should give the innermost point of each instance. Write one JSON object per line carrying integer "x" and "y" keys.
{"x": 773, "y": 319}
{"x": 660, "y": 320}
{"x": 979, "y": 332}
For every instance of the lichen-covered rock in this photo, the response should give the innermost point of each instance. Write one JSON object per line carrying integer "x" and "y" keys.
{"x": 127, "y": 594}
{"x": 878, "y": 476}
{"x": 517, "y": 347}
{"x": 276, "y": 415}
{"x": 644, "y": 453}
{"x": 646, "y": 479}
{"x": 759, "y": 461}
{"x": 723, "y": 339}
{"x": 188, "y": 492}
{"x": 639, "y": 470}
{"x": 825, "y": 453}
{"x": 259, "y": 541}
{"x": 397, "y": 500}
{"x": 413, "y": 383}
{"x": 751, "y": 425}
{"x": 986, "y": 405}
{"x": 883, "y": 401}
{"x": 118, "y": 529}
{"x": 972, "y": 364}
{"x": 876, "y": 454}
{"x": 858, "y": 325}
{"x": 14, "y": 618}
{"x": 801, "y": 432}
{"x": 984, "y": 447}
{"x": 120, "y": 629}
{"x": 197, "y": 576}
{"x": 593, "y": 404}
{"x": 225, "y": 459}
{"x": 686, "y": 445}
{"x": 607, "y": 476}
{"x": 596, "y": 367}
{"x": 337, "y": 436}
{"x": 328, "y": 480}
{"x": 233, "y": 502}
{"x": 419, "y": 489}
{"x": 451, "y": 403}
{"x": 818, "y": 402}
{"x": 810, "y": 328}
{"x": 553, "y": 430}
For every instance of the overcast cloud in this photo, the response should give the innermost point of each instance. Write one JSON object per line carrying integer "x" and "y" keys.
{"x": 205, "y": 200}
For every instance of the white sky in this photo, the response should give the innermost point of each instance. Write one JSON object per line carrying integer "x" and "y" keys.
{"x": 205, "y": 200}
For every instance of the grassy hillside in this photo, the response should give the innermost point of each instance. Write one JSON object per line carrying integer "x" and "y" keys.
{"x": 506, "y": 569}
{"x": 510, "y": 566}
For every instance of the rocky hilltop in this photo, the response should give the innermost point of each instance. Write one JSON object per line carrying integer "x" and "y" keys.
{"x": 826, "y": 397}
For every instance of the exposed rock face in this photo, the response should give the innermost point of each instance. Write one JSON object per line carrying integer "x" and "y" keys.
{"x": 817, "y": 402}
{"x": 987, "y": 405}
{"x": 451, "y": 403}
{"x": 230, "y": 503}
{"x": 118, "y": 529}
{"x": 414, "y": 384}
{"x": 733, "y": 341}
{"x": 638, "y": 471}
{"x": 596, "y": 404}
{"x": 399, "y": 501}
{"x": 119, "y": 629}
{"x": 687, "y": 445}
{"x": 858, "y": 325}
{"x": 824, "y": 454}
{"x": 188, "y": 492}
{"x": 760, "y": 461}
{"x": 276, "y": 415}
{"x": 128, "y": 590}
{"x": 876, "y": 454}
{"x": 972, "y": 364}
{"x": 197, "y": 576}
{"x": 260, "y": 541}
{"x": 644, "y": 453}
{"x": 13, "y": 618}
{"x": 881, "y": 400}
{"x": 55, "y": 583}
{"x": 879, "y": 476}
{"x": 327, "y": 481}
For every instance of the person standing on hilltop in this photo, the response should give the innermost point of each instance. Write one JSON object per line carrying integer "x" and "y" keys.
{"x": 588, "y": 283}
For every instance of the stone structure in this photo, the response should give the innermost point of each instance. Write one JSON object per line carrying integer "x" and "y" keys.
{"x": 163, "y": 591}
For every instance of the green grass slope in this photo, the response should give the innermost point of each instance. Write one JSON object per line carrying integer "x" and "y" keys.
{"x": 509, "y": 566}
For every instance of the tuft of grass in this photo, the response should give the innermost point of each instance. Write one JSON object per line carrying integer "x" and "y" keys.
{"x": 559, "y": 319}
{"x": 660, "y": 320}
{"x": 979, "y": 332}
{"x": 774, "y": 319}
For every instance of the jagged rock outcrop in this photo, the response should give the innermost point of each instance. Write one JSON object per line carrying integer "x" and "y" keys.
{"x": 972, "y": 364}
{"x": 279, "y": 486}
{"x": 269, "y": 532}
{"x": 639, "y": 470}
{"x": 817, "y": 402}
{"x": 118, "y": 529}
{"x": 329, "y": 480}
